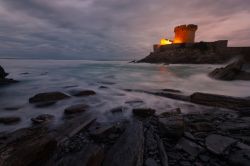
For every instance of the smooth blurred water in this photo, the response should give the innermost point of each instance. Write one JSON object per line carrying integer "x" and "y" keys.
{"x": 38, "y": 76}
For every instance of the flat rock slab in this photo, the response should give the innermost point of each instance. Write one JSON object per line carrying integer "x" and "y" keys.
{"x": 190, "y": 147}
{"x": 128, "y": 150}
{"x": 218, "y": 144}
{"x": 78, "y": 108}
{"x": 99, "y": 132}
{"x": 48, "y": 97}
{"x": 220, "y": 100}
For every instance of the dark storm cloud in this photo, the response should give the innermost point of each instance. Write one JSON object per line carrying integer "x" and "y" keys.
{"x": 112, "y": 29}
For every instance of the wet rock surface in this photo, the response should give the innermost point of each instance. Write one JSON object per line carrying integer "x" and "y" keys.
{"x": 48, "y": 97}
{"x": 211, "y": 137}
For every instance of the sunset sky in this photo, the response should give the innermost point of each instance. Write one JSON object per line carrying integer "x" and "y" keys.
{"x": 113, "y": 29}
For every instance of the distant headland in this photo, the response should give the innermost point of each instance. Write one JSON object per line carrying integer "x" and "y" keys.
{"x": 184, "y": 49}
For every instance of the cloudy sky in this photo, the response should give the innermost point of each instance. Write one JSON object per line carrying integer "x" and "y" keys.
{"x": 113, "y": 29}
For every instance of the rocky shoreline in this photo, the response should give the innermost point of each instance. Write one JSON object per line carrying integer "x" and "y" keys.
{"x": 216, "y": 137}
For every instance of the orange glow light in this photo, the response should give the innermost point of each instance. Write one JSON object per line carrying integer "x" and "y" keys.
{"x": 165, "y": 42}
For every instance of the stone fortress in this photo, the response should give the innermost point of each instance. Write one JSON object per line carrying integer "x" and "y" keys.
{"x": 184, "y": 49}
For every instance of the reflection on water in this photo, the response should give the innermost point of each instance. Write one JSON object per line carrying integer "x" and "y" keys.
{"x": 108, "y": 79}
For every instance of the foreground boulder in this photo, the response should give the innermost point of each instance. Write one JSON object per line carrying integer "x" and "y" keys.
{"x": 30, "y": 153}
{"x": 36, "y": 145}
{"x": 220, "y": 100}
{"x": 233, "y": 71}
{"x": 48, "y": 97}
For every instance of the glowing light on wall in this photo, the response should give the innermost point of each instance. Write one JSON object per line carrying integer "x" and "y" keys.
{"x": 165, "y": 41}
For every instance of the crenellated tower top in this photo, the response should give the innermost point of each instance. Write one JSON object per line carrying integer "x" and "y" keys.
{"x": 185, "y": 33}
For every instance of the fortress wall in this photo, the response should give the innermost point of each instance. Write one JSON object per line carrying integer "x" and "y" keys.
{"x": 201, "y": 45}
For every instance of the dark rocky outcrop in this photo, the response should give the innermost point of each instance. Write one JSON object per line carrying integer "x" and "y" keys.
{"x": 3, "y": 74}
{"x": 3, "y": 79}
{"x": 233, "y": 71}
{"x": 48, "y": 97}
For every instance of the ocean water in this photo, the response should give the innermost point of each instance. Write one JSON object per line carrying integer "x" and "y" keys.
{"x": 38, "y": 76}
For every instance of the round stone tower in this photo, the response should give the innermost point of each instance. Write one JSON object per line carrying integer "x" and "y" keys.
{"x": 185, "y": 33}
